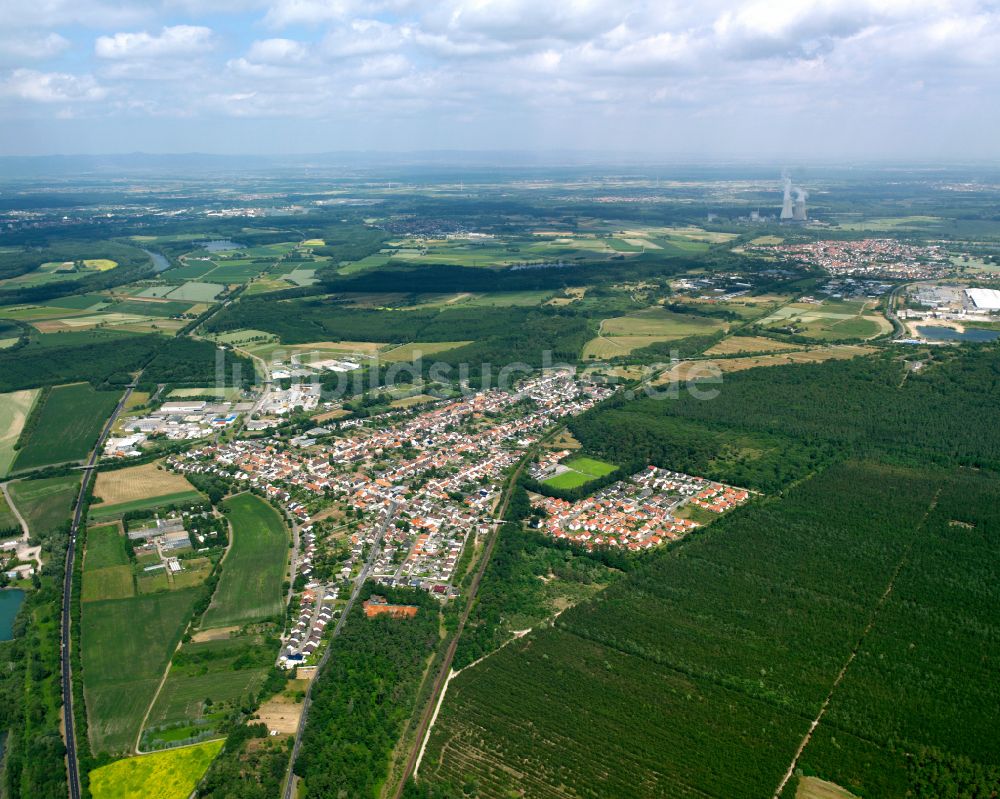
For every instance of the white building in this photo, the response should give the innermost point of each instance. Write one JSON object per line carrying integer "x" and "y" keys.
{"x": 984, "y": 299}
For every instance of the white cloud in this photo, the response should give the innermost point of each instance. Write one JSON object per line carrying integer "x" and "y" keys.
{"x": 176, "y": 40}
{"x": 277, "y": 51}
{"x": 309, "y": 12}
{"x": 86, "y": 13}
{"x": 32, "y": 46}
{"x": 520, "y": 64}
{"x": 363, "y": 37}
{"x": 52, "y": 87}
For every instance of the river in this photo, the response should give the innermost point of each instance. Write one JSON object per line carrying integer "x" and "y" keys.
{"x": 160, "y": 263}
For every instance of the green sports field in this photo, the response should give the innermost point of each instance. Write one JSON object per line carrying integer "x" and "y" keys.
{"x": 581, "y": 471}
{"x": 164, "y": 775}
{"x": 67, "y": 427}
{"x": 253, "y": 571}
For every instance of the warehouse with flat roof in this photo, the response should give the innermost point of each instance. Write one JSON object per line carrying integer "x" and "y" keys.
{"x": 984, "y": 299}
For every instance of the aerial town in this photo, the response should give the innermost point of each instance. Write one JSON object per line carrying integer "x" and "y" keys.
{"x": 420, "y": 488}
{"x": 873, "y": 258}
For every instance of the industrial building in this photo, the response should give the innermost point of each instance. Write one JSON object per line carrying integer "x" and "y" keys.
{"x": 984, "y": 299}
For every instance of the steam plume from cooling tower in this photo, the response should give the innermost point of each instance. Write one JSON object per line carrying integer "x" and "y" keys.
{"x": 786, "y": 205}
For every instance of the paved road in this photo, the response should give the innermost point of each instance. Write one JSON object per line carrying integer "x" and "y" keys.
{"x": 442, "y": 677}
{"x": 898, "y": 328}
{"x": 72, "y": 765}
{"x": 359, "y": 581}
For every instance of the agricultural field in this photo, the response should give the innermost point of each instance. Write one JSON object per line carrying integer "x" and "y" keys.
{"x": 148, "y": 481}
{"x": 737, "y": 345}
{"x": 408, "y": 352}
{"x": 416, "y": 399}
{"x": 164, "y": 775}
{"x": 606, "y": 347}
{"x": 239, "y": 337}
{"x": 504, "y": 299}
{"x": 46, "y": 505}
{"x": 621, "y": 335}
{"x": 830, "y": 321}
{"x": 207, "y": 682}
{"x": 8, "y": 520}
{"x": 106, "y": 511}
{"x": 888, "y": 224}
{"x": 67, "y": 426}
{"x": 196, "y": 292}
{"x": 711, "y": 369}
{"x": 125, "y": 646}
{"x": 152, "y": 307}
{"x": 107, "y": 572}
{"x": 250, "y": 588}
{"x": 659, "y": 322}
{"x": 15, "y": 409}
{"x": 579, "y": 471}
{"x": 678, "y": 654}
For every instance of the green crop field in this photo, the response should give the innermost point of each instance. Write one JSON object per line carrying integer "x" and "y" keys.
{"x": 14, "y": 411}
{"x": 106, "y": 511}
{"x": 67, "y": 427}
{"x": 126, "y": 644}
{"x": 425, "y": 349}
{"x": 107, "y": 573}
{"x": 152, "y": 308}
{"x": 163, "y": 775}
{"x": 46, "y": 505}
{"x": 659, "y": 322}
{"x": 110, "y": 582}
{"x": 8, "y": 521}
{"x": 196, "y": 292}
{"x": 105, "y": 547}
{"x": 254, "y": 568}
{"x": 681, "y": 656}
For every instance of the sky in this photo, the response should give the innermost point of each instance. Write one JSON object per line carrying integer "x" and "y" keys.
{"x": 828, "y": 79}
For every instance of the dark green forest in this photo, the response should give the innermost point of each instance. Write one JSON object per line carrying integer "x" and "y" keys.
{"x": 365, "y": 694}
{"x": 943, "y": 414}
{"x": 107, "y": 359}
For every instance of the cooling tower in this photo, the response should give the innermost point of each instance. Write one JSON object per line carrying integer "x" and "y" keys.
{"x": 786, "y": 205}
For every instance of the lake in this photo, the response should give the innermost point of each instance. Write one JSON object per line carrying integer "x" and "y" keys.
{"x": 971, "y": 334}
{"x": 221, "y": 245}
{"x": 10, "y": 604}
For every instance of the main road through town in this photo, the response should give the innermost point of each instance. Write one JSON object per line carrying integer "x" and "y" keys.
{"x": 72, "y": 766}
{"x": 359, "y": 581}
